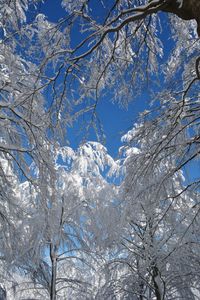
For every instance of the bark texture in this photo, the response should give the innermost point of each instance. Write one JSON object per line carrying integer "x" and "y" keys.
{"x": 53, "y": 256}
{"x": 187, "y": 10}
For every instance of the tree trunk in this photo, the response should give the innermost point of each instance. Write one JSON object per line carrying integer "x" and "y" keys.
{"x": 2, "y": 293}
{"x": 187, "y": 10}
{"x": 53, "y": 272}
{"x": 158, "y": 292}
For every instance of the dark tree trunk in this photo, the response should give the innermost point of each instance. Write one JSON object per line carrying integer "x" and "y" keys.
{"x": 156, "y": 287}
{"x": 189, "y": 10}
{"x": 53, "y": 272}
{"x": 141, "y": 291}
{"x": 2, "y": 293}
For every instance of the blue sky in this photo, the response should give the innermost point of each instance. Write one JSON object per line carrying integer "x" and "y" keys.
{"x": 115, "y": 120}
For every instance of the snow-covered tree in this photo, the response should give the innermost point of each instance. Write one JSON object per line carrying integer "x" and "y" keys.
{"x": 56, "y": 218}
{"x": 124, "y": 47}
{"x": 63, "y": 235}
{"x": 162, "y": 213}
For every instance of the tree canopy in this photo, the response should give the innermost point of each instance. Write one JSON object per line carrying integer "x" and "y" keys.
{"x": 78, "y": 223}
